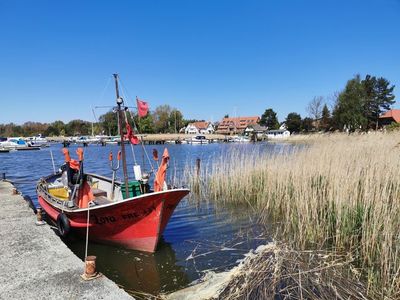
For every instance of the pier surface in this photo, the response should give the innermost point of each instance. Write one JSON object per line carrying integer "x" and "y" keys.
{"x": 36, "y": 264}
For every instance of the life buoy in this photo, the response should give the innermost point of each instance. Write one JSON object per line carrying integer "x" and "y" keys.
{"x": 63, "y": 225}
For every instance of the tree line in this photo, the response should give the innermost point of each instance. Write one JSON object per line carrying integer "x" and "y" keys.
{"x": 357, "y": 107}
{"x": 164, "y": 119}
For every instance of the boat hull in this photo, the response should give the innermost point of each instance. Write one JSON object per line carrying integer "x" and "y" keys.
{"x": 135, "y": 223}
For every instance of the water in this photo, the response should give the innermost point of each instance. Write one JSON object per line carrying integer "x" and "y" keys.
{"x": 197, "y": 238}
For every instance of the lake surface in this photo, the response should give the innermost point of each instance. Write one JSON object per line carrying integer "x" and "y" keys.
{"x": 198, "y": 237}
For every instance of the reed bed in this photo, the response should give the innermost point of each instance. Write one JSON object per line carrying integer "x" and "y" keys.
{"x": 277, "y": 272}
{"x": 339, "y": 193}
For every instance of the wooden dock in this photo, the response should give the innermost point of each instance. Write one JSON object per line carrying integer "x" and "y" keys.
{"x": 36, "y": 264}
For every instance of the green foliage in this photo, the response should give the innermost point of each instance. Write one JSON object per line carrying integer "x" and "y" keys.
{"x": 188, "y": 121}
{"x": 269, "y": 119}
{"x": 78, "y": 127}
{"x": 56, "y": 128}
{"x": 326, "y": 118}
{"x": 293, "y": 122}
{"x": 175, "y": 121}
{"x": 378, "y": 98}
{"x": 146, "y": 124}
{"x": 109, "y": 123}
{"x": 167, "y": 119}
{"x": 161, "y": 117}
{"x": 362, "y": 102}
{"x": 393, "y": 127}
{"x": 307, "y": 124}
{"x": 349, "y": 110}
{"x": 10, "y": 129}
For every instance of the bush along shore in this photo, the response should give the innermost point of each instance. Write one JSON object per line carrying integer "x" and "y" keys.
{"x": 338, "y": 193}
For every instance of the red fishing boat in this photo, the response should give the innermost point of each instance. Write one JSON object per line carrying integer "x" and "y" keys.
{"x": 126, "y": 213}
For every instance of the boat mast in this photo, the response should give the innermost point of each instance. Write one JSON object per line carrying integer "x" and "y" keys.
{"x": 120, "y": 101}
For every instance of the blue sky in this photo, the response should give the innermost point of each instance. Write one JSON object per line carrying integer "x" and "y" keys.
{"x": 206, "y": 58}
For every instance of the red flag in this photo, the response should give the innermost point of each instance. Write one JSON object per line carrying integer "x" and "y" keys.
{"x": 130, "y": 136}
{"x": 143, "y": 108}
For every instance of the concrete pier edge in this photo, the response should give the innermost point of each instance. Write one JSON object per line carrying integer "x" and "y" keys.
{"x": 36, "y": 264}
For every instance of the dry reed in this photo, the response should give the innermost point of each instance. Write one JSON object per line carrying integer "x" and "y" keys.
{"x": 339, "y": 193}
{"x": 277, "y": 272}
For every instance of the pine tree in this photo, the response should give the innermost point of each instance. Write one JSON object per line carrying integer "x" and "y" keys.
{"x": 269, "y": 119}
{"x": 326, "y": 118}
{"x": 378, "y": 98}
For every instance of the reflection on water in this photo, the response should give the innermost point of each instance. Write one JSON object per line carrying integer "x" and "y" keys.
{"x": 137, "y": 271}
{"x": 197, "y": 238}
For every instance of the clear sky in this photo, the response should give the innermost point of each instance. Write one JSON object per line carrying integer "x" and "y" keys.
{"x": 207, "y": 58}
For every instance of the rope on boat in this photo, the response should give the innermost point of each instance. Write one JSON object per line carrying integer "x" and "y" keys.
{"x": 133, "y": 152}
{"x": 52, "y": 160}
{"x": 127, "y": 96}
{"x": 87, "y": 229}
{"x": 105, "y": 88}
{"x": 142, "y": 144}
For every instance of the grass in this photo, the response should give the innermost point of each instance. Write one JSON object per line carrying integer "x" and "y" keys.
{"x": 339, "y": 193}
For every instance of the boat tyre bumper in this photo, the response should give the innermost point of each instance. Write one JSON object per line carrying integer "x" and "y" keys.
{"x": 63, "y": 225}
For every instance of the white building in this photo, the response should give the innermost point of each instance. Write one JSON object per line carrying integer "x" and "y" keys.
{"x": 200, "y": 128}
{"x": 278, "y": 134}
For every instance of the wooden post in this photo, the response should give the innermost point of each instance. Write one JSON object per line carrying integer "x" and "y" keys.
{"x": 39, "y": 220}
{"x": 198, "y": 167}
{"x": 90, "y": 266}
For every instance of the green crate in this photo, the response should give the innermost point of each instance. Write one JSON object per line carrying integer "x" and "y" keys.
{"x": 133, "y": 189}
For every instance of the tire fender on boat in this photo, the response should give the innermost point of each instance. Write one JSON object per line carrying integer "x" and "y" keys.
{"x": 63, "y": 225}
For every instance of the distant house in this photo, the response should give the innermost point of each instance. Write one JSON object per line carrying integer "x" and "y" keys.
{"x": 200, "y": 128}
{"x": 283, "y": 126}
{"x": 389, "y": 117}
{"x": 257, "y": 130}
{"x": 236, "y": 125}
{"x": 278, "y": 134}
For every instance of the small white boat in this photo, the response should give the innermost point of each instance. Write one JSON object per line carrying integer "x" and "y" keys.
{"x": 112, "y": 141}
{"x": 16, "y": 144}
{"x": 198, "y": 139}
{"x": 177, "y": 141}
{"x": 241, "y": 139}
{"x": 12, "y": 143}
{"x": 37, "y": 141}
{"x": 86, "y": 140}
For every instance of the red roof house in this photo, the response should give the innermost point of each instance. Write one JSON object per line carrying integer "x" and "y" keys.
{"x": 389, "y": 117}
{"x": 236, "y": 125}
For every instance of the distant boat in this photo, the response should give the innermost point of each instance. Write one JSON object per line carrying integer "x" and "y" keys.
{"x": 113, "y": 141}
{"x": 15, "y": 144}
{"x": 241, "y": 139}
{"x": 37, "y": 141}
{"x": 177, "y": 141}
{"x": 198, "y": 139}
{"x": 86, "y": 140}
